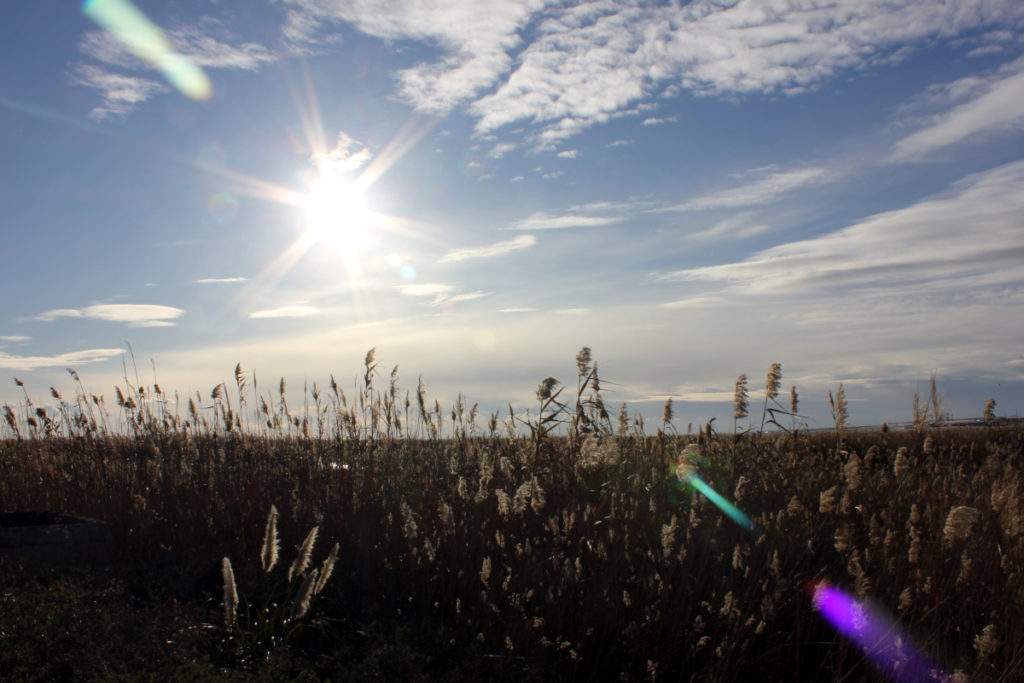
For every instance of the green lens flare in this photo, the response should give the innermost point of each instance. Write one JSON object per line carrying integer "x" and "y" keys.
{"x": 725, "y": 506}
{"x": 145, "y": 39}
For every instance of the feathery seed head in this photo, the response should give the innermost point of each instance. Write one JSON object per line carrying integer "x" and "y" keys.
{"x": 773, "y": 381}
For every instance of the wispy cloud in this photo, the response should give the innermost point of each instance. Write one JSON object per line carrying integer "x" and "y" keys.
{"x": 119, "y": 94}
{"x": 115, "y": 71}
{"x": 568, "y": 154}
{"x": 620, "y": 143}
{"x": 520, "y": 309}
{"x": 501, "y": 149}
{"x": 135, "y": 315}
{"x": 587, "y": 64}
{"x": 426, "y": 289}
{"x": 553, "y": 174}
{"x": 758, "y": 193}
{"x": 14, "y": 338}
{"x": 708, "y": 302}
{"x": 440, "y": 294}
{"x": 547, "y": 221}
{"x": 973, "y": 230}
{"x": 219, "y": 280}
{"x": 63, "y": 360}
{"x": 296, "y": 310}
{"x": 476, "y": 40}
{"x": 657, "y": 121}
{"x": 991, "y": 104}
{"x": 739, "y": 226}
{"x": 344, "y": 158}
{"x": 489, "y": 251}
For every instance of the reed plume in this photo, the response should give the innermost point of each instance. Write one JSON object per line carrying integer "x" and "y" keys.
{"x": 840, "y": 412}
{"x": 326, "y": 570}
{"x": 300, "y": 606}
{"x": 773, "y": 382}
{"x": 301, "y": 562}
{"x": 959, "y": 522}
{"x": 271, "y": 543}
{"x": 739, "y": 400}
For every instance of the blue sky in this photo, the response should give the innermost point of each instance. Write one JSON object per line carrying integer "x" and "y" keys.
{"x": 478, "y": 189}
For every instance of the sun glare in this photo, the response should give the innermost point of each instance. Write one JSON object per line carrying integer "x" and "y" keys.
{"x": 336, "y": 213}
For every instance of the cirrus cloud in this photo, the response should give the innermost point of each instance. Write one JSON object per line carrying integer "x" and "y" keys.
{"x": 135, "y": 315}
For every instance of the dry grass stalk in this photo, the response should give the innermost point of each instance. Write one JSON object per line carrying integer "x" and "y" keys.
{"x": 739, "y": 400}
{"x": 990, "y": 410}
{"x": 300, "y": 606}
{"x": 230, "y": 594}
{"x": 327, "y": 569}
{"x": 301, "y": 562}
{"x": 959, "y": 522}
{"x": 271, "y": 543}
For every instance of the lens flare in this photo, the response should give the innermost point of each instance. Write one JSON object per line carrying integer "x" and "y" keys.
{"x": 876, "y": 636}
{"x": 688, "y": 476}
{"x": 128, "y": 24}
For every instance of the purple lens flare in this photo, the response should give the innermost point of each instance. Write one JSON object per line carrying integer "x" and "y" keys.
{"x": 878, "y": 637}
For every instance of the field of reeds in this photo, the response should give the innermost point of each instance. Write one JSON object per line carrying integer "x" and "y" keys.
{"x": 374, "y": 535}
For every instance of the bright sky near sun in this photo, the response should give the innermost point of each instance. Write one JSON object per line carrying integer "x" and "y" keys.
{"x": 478, "y": 188}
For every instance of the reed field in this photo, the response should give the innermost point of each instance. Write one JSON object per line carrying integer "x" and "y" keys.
{"x": 370, "y": 534}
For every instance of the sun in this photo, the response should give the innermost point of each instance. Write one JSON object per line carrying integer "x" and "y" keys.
{"x": 335, "y": 213}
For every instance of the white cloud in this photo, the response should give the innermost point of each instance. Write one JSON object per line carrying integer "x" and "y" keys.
{"x": 521, "y": 309}
{"x": 466, "y": 296}
{"x": 572, "y": 311}
{"x": 739, "y": 226}
{"x": 657, "y": 121}
{"x": 70, "y": 359}
{"x": 568, "y": 154}
{"x": 297, "y": 310}
{"x": 593, "y": 61}
{"x": 546, "y": 221}
{"x": 758, "y": 193}
{"x": 476, "y": 37}
{"x": 50, "y": 316}
{"x": 711, "y": 302}
{"x": 490, "y": 251}
{"x": 441, "y": 294}
{"x": 553, "y": 175}
{"x": 974, "y": 230}
{"x": 342, "y": 159}
{"x": 620, "y": 143}
{"x": 136, "y": 315}
{"x": 14, "y": 338}
{"x": 207, "y": 43}
{"x": 516, "y": 179}
{"x": 119, "y": 93}
{"x": 219, "y": 280}
{"x": 501, "y": 149}
{"x": 992, "y": 103}
{"x": 426, "y": 289}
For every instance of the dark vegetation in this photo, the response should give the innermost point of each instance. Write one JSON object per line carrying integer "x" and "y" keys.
{"x": 503, "y": 551}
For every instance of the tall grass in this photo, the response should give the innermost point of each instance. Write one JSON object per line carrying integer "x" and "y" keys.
{"x": 466, "y": 550}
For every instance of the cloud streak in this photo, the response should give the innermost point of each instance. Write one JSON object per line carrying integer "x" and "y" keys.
{"x": 70, "y": 359}
{"x": 219, "y": 280}
{"x": 298, "y": 310}
{"x": 489, "y": 251}
{"x": 994, "y": 103}
{"x": 135, "y": 315}
{"x": 546, "y": 221}
{"x": 973, "y": 230}
{"x": 758, "y": 193}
